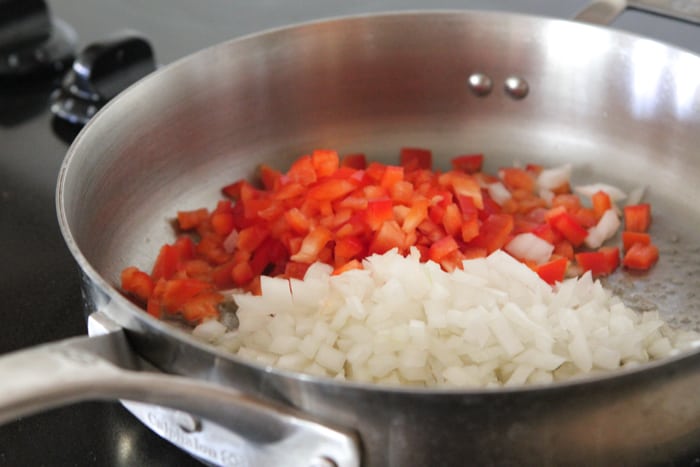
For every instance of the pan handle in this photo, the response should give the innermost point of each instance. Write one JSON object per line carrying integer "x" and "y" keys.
{"x": 105, "y": 368}
{"x": 605, "y": 11}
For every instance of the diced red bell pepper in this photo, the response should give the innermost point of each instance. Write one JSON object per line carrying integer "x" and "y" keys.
{"x": 601, "y": 202}
{"x": 347, "y": 248}
{"x": 303, "y": 171}
{"x": 489, "y": 206}
{"x": 197, "y": 269}
{"x": 630, "y": 238}
{"x": 417, "y": 213}
{"x": 402, "y": 192}
{"x": 534, "y": 169}
{"x": 452, "y": 220}
{"x": 312, "y": 245}
{"x": 296, "y": 270}
{"x": 297, "y": 220}
{"x": 641, "y": 257}
{"x": 289, "y": 191}
{"x": 637, "y": 217}
{"x": 221, "y": 275}
{"x": 176, "y": 292}
{"x": 252, "y": 237}
{"x": 269, "y": 258}
{"x": 223, "y": 223}
{"x": 494, "y": 232}
{"x": 436, "y": 212}
{"x": 469, "y": 163}
{"x": 239, "y": 190}
{"x": 601, "y": 262}
{"x": 469, "y": 229}
{"x": 203, "y": 306}
{"x": 211, "y": 248}
{"x": 463, "y": 184}
{"x": 355, "y": 161}
{"x": 547, "y": 233}
{"x": 269, "y": 177}
{"x": 515, "y": 178}
{"x": 337, "y": 212}
{"x": 553, "y": 271}
{"x": 349, "y": 266}
{"x": 325, "y": 162}
{"x": 379, "y": 211}
{"x": 416, "y": 158}
{"x": 188, "y": 220}
{"x": 585, "y": 217}
{"x": 566, "y": 224}
{"x": 241, "y": 274}
{"x": 443, "y": 247}
{"x": 171, "y": 257}
{"x": 564, "y": 248}
{"x": 393, "y": 174}
{"x": 570, "y": 202}
{"x": 330, "y": 189}
{"x": 375, "y": 171}
{"x": 387, "y": 237}
{"x": 137, "y": 283}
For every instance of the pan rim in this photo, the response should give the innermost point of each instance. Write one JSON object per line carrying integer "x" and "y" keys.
{"x": 74, "y": 154}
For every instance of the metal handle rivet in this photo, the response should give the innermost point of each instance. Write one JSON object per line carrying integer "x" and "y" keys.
{"x": 516, "y": 87}
{"x": 187, "y": 422}
{"x": 480, "y": 84}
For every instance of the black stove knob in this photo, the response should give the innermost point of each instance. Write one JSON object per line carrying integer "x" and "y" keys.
{"x": 101, "y": 71}
{"x": 32, "y": 43}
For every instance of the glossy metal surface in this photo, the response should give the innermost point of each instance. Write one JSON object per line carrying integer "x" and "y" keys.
{"x": 104, "y": 368}
{"x": 687, "y": 10}
{"x": 38, "y": 276}
{"x": 605, "y": 11}
{"x": 365, "y": 84}
{"x": 480, "y": 84}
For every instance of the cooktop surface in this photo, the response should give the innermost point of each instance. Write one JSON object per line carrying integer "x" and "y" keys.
{"x": 39, "y": 281}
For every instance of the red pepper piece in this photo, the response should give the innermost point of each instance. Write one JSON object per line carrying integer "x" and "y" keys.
{"x": 637, "y": 217}
{"x": 553, "y": 271}
{"x": 601, "y": 262}
{"x": 469, "y": 163}
{"x": 416, "y": 158}
{"x": 641, "y": 257}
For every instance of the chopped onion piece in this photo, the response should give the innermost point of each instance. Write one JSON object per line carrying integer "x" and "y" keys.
{"x": 606, "y": 228}
{"x": 635, "y": 196}
{"x": 231, "y": 241}
{"x": 589, "y": 190}
{"x": 547, "y": 196}
{"x": 499, "y": 192}
{"x": 530, "y": 247}
{"x": 210, "y": 330}
{"x": 549, "y": 179}
{"x": 493, "y": 323}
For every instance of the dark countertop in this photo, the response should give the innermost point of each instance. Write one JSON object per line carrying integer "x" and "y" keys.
{"x": 38, "y": 278}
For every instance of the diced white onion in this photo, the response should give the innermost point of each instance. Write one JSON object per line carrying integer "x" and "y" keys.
{"x": 547, "y": 196}
{"x": 530, "y": 247}
{"x": 210, "y": 331}
{"x": 549, "y": 179}
{"x": 499, "y": 192}
{"x": 399, "y": 321}
{"x": 615, "y": 193}
{"x": 231, "y": 241}
{"x": 606, "y": 228}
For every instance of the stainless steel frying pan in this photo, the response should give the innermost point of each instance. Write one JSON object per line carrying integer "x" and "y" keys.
{"x": 621, "y": 108}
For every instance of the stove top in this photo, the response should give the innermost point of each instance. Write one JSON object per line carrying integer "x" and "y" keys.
{"x": 38, "y": 278}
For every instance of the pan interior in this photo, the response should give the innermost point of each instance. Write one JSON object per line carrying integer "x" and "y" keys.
{"x": 621, "y": 109}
